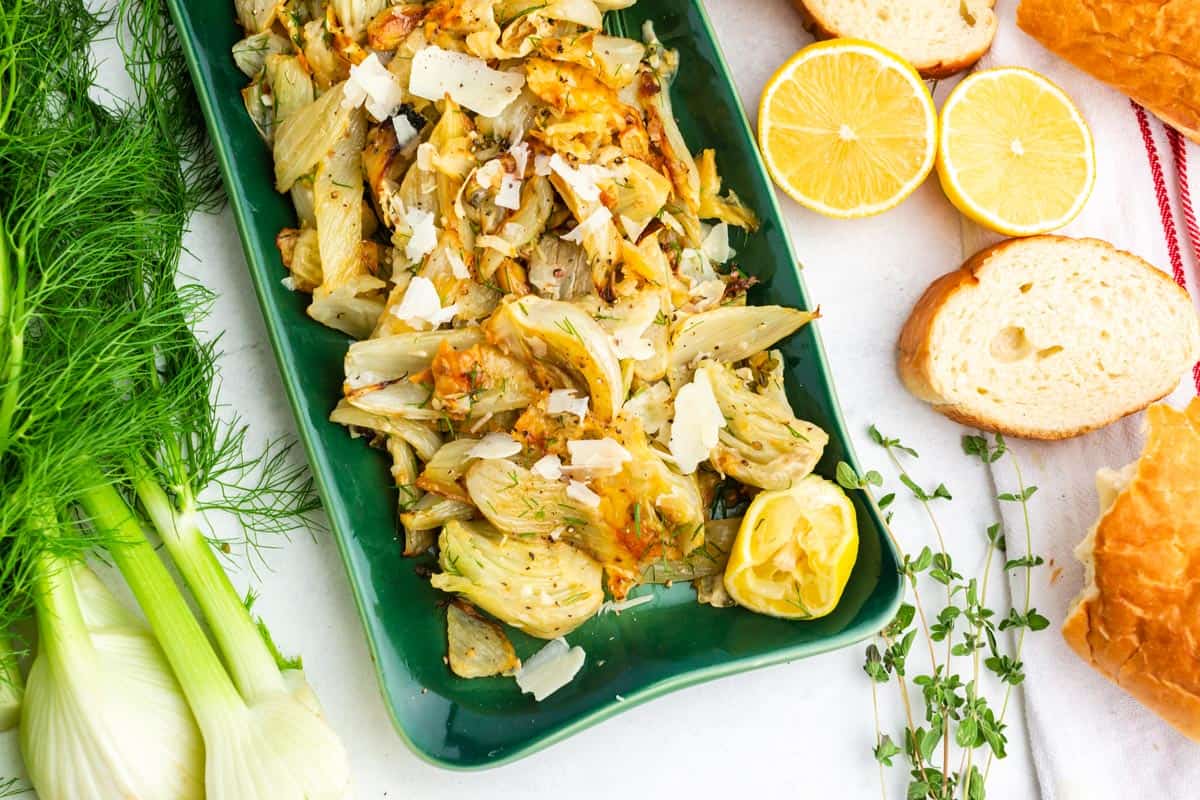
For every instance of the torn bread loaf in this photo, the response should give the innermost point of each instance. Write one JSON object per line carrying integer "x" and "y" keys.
{"x": 938, "y": 37}
{"x": 1148, "y": 49}
{"x": 1137, "y": 620}
{"x": 1048, "y": 337}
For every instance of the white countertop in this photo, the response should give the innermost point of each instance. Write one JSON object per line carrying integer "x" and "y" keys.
{"x": 801, "y": 730}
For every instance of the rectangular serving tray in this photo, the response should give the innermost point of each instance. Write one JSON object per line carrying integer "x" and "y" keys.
{"x": 631, "y": 658}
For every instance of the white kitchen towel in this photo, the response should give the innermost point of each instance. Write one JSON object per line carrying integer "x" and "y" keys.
{"x": 1090, "y": 740}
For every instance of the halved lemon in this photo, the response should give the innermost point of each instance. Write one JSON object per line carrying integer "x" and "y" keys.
{"x": 794, "y": 551}
{"x": 1016, "y": 155}
{"x": 847, "y": 128}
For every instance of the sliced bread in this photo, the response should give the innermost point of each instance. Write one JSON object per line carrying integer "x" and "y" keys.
{"x": 1048, "y": 337}
{"x": 938, "y": 37}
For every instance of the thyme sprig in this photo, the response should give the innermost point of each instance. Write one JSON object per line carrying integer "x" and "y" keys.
{"x": 945, "y": 738}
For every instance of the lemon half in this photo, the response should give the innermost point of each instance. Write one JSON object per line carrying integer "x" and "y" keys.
{"x": 1016, "y": 155}
{"x": 794, "y": 551}
{"x": 847, "y": 128}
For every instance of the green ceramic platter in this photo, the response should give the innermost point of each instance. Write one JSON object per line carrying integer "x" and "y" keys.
{"x": 655, "y": 648}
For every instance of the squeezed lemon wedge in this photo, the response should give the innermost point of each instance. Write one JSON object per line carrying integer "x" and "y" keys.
{"x": 794, "y": 551}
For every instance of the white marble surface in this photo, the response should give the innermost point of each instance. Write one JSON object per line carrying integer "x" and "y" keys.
{"x": 801, "y": 730}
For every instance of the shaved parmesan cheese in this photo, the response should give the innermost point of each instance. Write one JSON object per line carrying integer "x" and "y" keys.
{"x": 457, "y": 265}
{"x": 627, "y": 338}
{"x": 696, "y": 266}
{"x": 632, "y": 346}
{"x": 550, "y": 669}
{"x": 421, "y": 305}
{"x": 548, "y": 467}
{"x": 716, "y": 244}
{"x": 520, "y": 154}
{"x": 581, "y": 179}
{"x": 424, "y": 236}
{"x": 594, "y": 223}
{"x": 405, "y": 132}
{"x": 705, "y": 286}
{"x": 706, "y": 295}
{"x": 289, "y": 283}
{"x": 468, "y": 80}
{"x": 580, "y": 493}
{"x": 567, "y": 401}
{"x": 597, "y": 457}
{"x": 541, "y": 164}
{"x": 425, "y": 154}
{"x": 616, "y": 607}
{"x": 495, "y": 445}
{"x": 371, "y": 83}
{"x": 509, "y": 195}
{"x": 698, "y": 421}
{"x": 489, "y": 173}
{"x": 652, "y": 405}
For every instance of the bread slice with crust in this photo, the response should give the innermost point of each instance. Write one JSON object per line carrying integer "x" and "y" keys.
{"x": 938, "y": 37}
{"x": 1137, "y": 620}
{"x": 1048, "y": 337}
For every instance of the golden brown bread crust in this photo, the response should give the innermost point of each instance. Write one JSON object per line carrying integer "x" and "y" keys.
{"x": 1140, "y": 624}
{"x": 935, "y": 71}
{"x": 914, "y": 362}
{"x": 1149, "y": 49}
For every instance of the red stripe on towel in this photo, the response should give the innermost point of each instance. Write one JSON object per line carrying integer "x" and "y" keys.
{"x": 1166, "y": 215}
{"x": 1180, "y": 155}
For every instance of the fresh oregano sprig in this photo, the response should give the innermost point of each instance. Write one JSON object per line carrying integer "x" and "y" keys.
{"x": 956, "y": 721}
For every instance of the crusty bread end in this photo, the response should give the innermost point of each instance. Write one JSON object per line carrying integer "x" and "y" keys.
{"x": 1137, "y": 620}
{"x": 1146, "y": 48}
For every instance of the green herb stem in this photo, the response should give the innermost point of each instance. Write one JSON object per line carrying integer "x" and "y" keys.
{"x": 207, "y": 686}
{"x": 923, "y": 499}
{"x": 920, "y": 607}
{"x": 253, "y": 667}
{"x": 878, "y": 737}
{"x": 1024, "y": 500}
{"x": 12, "y": 328}
{"x": 906, "y": 702}
{"x": 951, "y": 706}
{"x": 12, "y": 689}
{"x": 973, "y": 689}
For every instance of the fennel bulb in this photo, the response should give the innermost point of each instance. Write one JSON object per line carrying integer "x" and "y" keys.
{"x": 103, "y": 717}
{"x": 265, "y": 738}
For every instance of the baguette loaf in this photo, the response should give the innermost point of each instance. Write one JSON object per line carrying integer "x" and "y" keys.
{"x": 1137, "y": 620}
{"x": 938, "y": 37}
{"x": 1148, "y": 49}
{"x": 1048, "y": 337}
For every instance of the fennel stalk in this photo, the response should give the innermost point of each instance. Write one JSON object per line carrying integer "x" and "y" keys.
{"x": 267, "y": 743}
{"x": 101, "y": 368}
